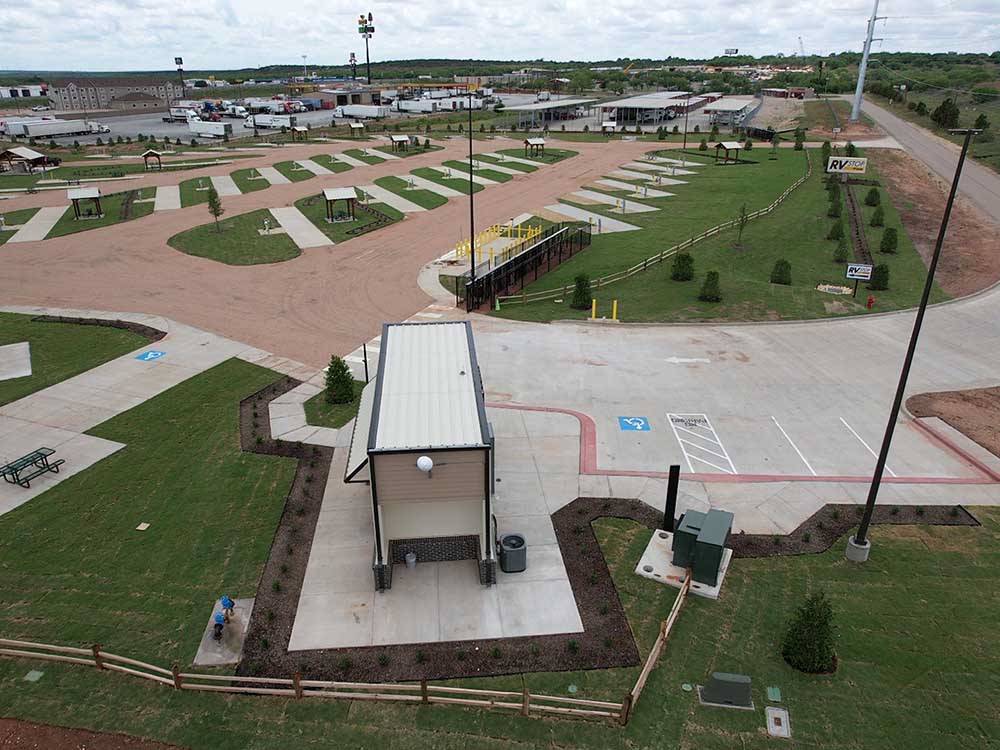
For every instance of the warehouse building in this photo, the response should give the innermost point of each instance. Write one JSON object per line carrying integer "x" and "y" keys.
{"x": 23, "y": 91}
{"x": 86, "y": 94}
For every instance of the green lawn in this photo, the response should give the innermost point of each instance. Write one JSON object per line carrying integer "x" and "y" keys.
{"x": 455, "y": 183}
{"x": 13, "y": 219}
{"x": 322, "y": 413}
{"x": 249, "y": 180}
{"x": 506, "y": 163}
{"x": 112, "y": 206}
{"x": 551, "y": 155}
{"x": 334, "y": 165}
{"x": 424, "y": 198}
{"x": 195, "y": 192}
{"x": 360, "y": 155}
{"x": 239, "y": 243}
{"x": 489, "y": 174}
{"x": 795, "y": 232}
{"x": 411, "y": 151}
{"x": 293, "y": 171}
{"x": 314, "y": 207}
{"x": 59, "y": 351}
{"x": 75, "y": 568}
{"x": 917, "y": 656}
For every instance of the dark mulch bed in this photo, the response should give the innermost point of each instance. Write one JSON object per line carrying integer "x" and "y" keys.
{"x": 27, "y": 735}
{"x": 824, "y": 527}
{"x": 151, "y": 334}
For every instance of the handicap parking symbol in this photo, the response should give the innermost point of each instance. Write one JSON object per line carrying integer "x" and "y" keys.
{"x": 150, "y": 355}
{"x": 634, "y": 424}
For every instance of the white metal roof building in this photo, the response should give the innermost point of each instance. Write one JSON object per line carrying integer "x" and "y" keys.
{"x": 645, "y": 108}
{"x": 537, "y": 114}
{"x": 728, "y": 110}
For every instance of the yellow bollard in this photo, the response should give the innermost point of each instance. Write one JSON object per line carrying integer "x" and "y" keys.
{"x": 593, "y": 309}
{"x": 614, "y": 310}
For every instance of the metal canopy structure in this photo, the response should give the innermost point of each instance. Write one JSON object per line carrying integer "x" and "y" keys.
{"x": 82, "y": 194}
{"x": 537, "y": 114}
{"x": 645, "y": 108}
{"x": 534, "y": 146}
{"x": 347, "y": 194}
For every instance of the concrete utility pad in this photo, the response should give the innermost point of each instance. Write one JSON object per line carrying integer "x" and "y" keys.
{"x": 626, "y": 205}
{"x": 229, "y": 650}
{"x": 626, "y": 174}
{"x": 600, "y": 223}
{"x": 303, "y": 232}
{"x": 381, "y": 195}
{"x": 636, "y": 191}
{"x": 316, "y": 169}
{"x": 458, "y": 174}
{"x": 15, "y": 361}
{"x": 168, "y": 198}
{"x": 656, "y": 566}
{"x": 273, "y": 176}
{"x": 349, "y": 160}
{"x": 38, "y": 226}
{"x": 224, "y": 185}
{"x": 424, "y": 184}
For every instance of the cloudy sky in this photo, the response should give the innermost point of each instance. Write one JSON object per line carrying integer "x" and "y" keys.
{"x": 147, "y": 34}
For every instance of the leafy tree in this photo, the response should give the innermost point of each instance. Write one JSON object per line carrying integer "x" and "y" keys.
{"x": 427, "y": 143}
{"x": 215, "y": 206}
{"x": 851, "y": 149}
{"x": 880, "y": 278}
{"x": 339, "y": 382}
{"x": 683, "y": 267}
{"x": 878, "y": 217}
{"x": 714, "y": 133}
{"x": 782, "y": 272}
{"x": 703, "y": 146}
{"x": 810, "y": 640}
{"x": 836, "y": 230}
{"x": 676, "y": 129}
{"x": 946, "y": 114}
{"x": 873, "y": 198}
{"x": 982, "y": 122}
{"x": 741, "y": 223}
{"x": 921, "y": 108}
{"x": 890, "y": 241}
{"x": 661, "y": 134}
{"x": 710, "y": 291}
{"x": 697, "y": 129}
{"x": 841, "y": 254}
{"x": 581, "y": 293}
{"x": 581, "y": 80}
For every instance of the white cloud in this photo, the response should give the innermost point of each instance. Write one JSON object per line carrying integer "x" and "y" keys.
{"x": 147, "y": 34}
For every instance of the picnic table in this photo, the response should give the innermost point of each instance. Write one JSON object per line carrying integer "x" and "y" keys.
{"x": 22, "y": 470}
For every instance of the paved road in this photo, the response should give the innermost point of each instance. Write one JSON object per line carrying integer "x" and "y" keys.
{"x": 979, "y": 184}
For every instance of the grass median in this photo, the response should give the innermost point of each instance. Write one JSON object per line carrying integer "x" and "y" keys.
{"x": 237, "y": 241}
{"x": 484, "y": 172}
{"x": 117, "y": 207}
{"x": 423, "y": 198}
{"x": 322, "y": 413}
{"x": 314, "y": 208}
{"x": 14, "y": 219}
{"x": 455, "y": 183}
{"x": 367, "y": 158}
{"x": 249, "y": 180}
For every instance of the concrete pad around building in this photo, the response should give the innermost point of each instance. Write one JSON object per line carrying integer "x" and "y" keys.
{"x": 635, "y": 190}
{"x": 39, "y": 225}
{"x": 316, "y": 169}
{"x": 273, "y": 176}
{"x": 168, "y": 198}
{"x": 15, "y": 361}
{"x": 458, "y": 174}
{"x": 303, "y": 232}
{"x": 619, "y": 204}
{"x": 424, "y": 184}
{"x": 649, "y": 177}
{"x": 601, "y": 224}
{"x": 350, "y": 160}
{"x": 381, "y": 195}
{"x": 538, "y": 608}
{"x": 382, "y": 154}
{"x": 224, "y": 185}
{"x": 479, "y": 164}
{"x": 655, "y": 564}
{"x": 516, "y": 159}
{"x": 229, "y": 649}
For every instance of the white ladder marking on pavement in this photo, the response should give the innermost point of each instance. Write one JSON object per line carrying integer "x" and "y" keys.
{"x": 891, "y": 472}
{"x": 794, "y": 446}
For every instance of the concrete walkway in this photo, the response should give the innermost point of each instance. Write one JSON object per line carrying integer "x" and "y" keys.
{"x": 168, "y": 198}
{"x": 39, "y": 225}
{"x": 646, "y": 176}
{"x": 303, "y": 232}
{"x": 382, "y": 154}
{"x": 636, "y": 190}
{"x": 224, "y": 185}
{"x": 600, "y": 224}
{"x": 497, "y": 168}
{"x": 273, "y": 176}
{"x": 316, "y": 169}
{"x": 424, "y": 184}
{"x": 675, "y": 162}
{"x": 626, "y": 206}
{"x": 390, "y": 198}
{"x": 646, "y": 167}
{"x": 517, "y": 159}
{"x": 349, "y": 160}
{"x": 458, "y": 174}
{"x": 15, "y": 360}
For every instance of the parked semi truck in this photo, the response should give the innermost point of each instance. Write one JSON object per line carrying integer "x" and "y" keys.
{"x": 235, "y": 111}
{"x": 362, "y": 111}
{"x": 204, "y": 129}
{"x": 179, "y": 114}
{"x": 59, "y": 128}
{"x": 269, "y": 121}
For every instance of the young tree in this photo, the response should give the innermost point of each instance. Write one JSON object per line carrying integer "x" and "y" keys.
{"x": 714, "y": 132}
{"x": 215, "y": 206}
{"x": 890, "y": 241}
{"x": 841, "y": 254}
{"x": 741, "y": 223}
{"x": 873, "y": 198}
{"x": 339, "y": 382}
{"x": 834, "y": 211}
{"x": 683, "y": 267}
{"x": 661, "y": 134}
{"x": 946, "y": 114}
{"x": 921, "y": 108}
{"x": 782, "y": 273}
{"x": 880, "y": 278}
{"x": 827, "y": 150}
{"x": 676, "y": 129}
{"x": 748, "y": 145}
{"x": 836, "y": 230}
{"x": 878, "y": 217}
{"x": 710, "y": 291}
{"x": 581, "y": 293}
{"x": 697, "y": 129}
{"x": 982, "y": 122}
{"x": 703, "y": 146}
{"x": 810, "y": 641}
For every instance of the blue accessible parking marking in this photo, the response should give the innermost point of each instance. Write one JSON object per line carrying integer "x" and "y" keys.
{"x": 150, "y": 355}
{"x": 634, "y": 424}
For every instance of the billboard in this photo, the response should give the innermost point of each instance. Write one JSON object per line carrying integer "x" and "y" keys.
{"x": 859, "y": 271}
{"x": 732, "y": 51}
{"x": 847, "y": 164}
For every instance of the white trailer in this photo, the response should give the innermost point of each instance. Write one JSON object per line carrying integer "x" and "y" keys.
{"x": 14, "y": 125}
{"x": 180, "y": 114}
{"x": 235, "y": 111}
{"x": 363, "y": 111}
{"x": 416, "y": 105}
{"x": 269, "y": 121}
{"x": 62, "y": 128}
{"x": 203, "y": 129}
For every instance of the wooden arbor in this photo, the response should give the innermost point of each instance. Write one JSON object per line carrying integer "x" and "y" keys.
{"x": 91, "y": 194}
{"x": 149, "y": 154}
{"x": 399, "y": 142}
{"x": 331, "y": 195}
{"x": 300, "y": 131}
{"x": 728, "y": 146}
{"x": 534, "y": 147}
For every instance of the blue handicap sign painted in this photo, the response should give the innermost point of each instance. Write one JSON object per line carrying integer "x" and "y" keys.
{"x": 150, "y": 355}
{"x": 634, "y": 424}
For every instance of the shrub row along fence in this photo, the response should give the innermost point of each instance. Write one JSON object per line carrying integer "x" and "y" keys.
{"x": 525, "y": 297}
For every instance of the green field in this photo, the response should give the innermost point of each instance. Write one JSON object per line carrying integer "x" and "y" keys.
{"x": 293, "y": 171}
{"x": 321, "y": 412}
{"x": 334, "y": 165}
{"x": 818, "y": 114}
{"x": 112, "y": 205}
{"x": 424, "y": 198}
{"x": 360, "y": 155}
{"x": 487, "y": 173}
{"x": 248, "y": 180}
{"x": 314, "y": 208}
{"x": 195, "y": 192}
{"x": 239, "y": 242}
{"x": 59, "y": 351}
{"x": 14, "y": 219}
{"x": 800, "y": 222}
{"x": 455, "y": 183}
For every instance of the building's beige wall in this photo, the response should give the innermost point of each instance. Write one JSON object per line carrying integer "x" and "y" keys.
{"x": 457, "y": 475}
{"x": 409, "y": 520}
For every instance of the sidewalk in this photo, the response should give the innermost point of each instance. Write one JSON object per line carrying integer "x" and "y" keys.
{"x": 39, "y": 225}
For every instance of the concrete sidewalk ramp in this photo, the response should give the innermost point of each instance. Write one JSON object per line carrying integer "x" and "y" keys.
{"x": 390, "y": 198}
{"x": 302, "y": 232}
{"x": 658, "y": 168}
{"x": 647, "y": 176}
{"x": 424, "y": 184}
{"x": 273, "y": 176}
{"x": 316, "y": 169}
{"x": 39, "y": 225}
{"x": 517, "y": 159}
{"x": 224, "y": 185}
{"x": 497, "y": 167}
{"x": 601, "y": 224}
{"x": 168, "y": 198}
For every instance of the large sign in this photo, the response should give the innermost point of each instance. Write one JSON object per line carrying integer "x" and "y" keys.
{"x": 178, "y": 61}
{"x": 732, "y": 51}
{"x": 859, "y": 271}
{"x": 847, "y": 164}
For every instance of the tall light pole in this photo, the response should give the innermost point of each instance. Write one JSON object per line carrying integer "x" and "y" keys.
{"x": 863, "y": 68}
{"x": 472, "y": 213}
{"x": 687, "y": 106}
{"x": 305, "y": 73}
{"x": 179, "y": 62}
{"x": 366, "y": 28}
{"x": 858, "y": 545}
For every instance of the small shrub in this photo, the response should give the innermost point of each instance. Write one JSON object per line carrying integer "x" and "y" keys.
{"x": 806, "y": 537}
{"x": 265, "y": 644}
{"x": 270, "y": 615}
{"x": 683, "y": 267}
{"x": 710, "y": 291}
{"x": 339, "y": 382}
{"x": 880, "y": 278}
{"x": 535, "y": 650}
{"x": 840, "y": 255}
{"x": 697, "y": 129}
{"x": 809, "y": 642}
{"x": 835, "y": 514}
{"x": 276, "y": 585}
{"x": 607, "y": 643}
{"x": 420, "y": 657}
{"x": 953, "y": 512}
{"x": 495, "y": 652}
{"x": 873, "y": 198}
{"x": 676, "y": 129}
{"x": 383, "y": 659}
{"x": 703, "y": 146}
{"x": 781, "y": 273}
{"x": 284, "y": 569}
{"x": 776, "y": 541}
{"x": 460, "y": 655}
{"x": 748, "y": 146}
{"x": 343, "y": 664}
{"x": 573, "y": 646}
{"x": 603, "y": 609}
{"x": 851, "y": 150}
{"x": 836, "y": 231}
{"x": 894, "y": 510}
{"x": 890, "y": 241}
{"x": 834, "y": 210}
{"x": 581, "y": 293}
{"x": 919, "y": 510}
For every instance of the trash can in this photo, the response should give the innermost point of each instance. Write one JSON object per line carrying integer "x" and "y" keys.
{"x": 513, "y": 553}
{"x": 411, "y": 560}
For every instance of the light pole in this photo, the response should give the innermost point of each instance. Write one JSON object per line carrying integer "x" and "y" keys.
{"x": 305, "y": 73}
{"x": 179, "y": 62}
{"x": 472, "y": 214}
{"x": 858, "y": 546}
{"x": 859, "y": 90}
{"x": 687, "y": 106}
{"x": 366, "y": 29}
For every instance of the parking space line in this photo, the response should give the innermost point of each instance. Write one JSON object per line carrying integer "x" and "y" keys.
{"x": 794, "y": 446}
{"x": 891, "y": 472}
{"x": 700, "y": 427}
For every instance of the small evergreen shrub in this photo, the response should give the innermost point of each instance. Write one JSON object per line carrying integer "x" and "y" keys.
{"x": 890, "y": 241}
{"x": 339, "y": 382}
{"x": 683, "y": 267}
{"x": 873, "y": 198}
{"x": 878, "y": 217}
{"x": 880, "y": 278}
{"x": 781, "y": 273}
{"x": 809, "y": 643}
{"x": 581, "y": 293}
{"x": 710, "y": 291}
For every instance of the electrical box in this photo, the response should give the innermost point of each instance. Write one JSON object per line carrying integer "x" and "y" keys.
{"x": 727, "y": 689}
{"x": 685, "y": 536}
{"x": 710, "y": 546}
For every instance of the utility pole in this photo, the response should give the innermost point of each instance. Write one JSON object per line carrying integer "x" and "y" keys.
{"x": 858, "y": 546}
{"x": 366, "y": 29}
{"x": 687, "y": 106}
{"x": 472, "y": 214}
{"x": 863, "y": 68}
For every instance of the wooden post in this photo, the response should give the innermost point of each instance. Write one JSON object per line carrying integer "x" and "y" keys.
{"x": 423, "y": 692}
{"x": 176, "y": 671}
{"x": 98, "y": 661}
{"x": 525, "y": 701}
{"x": 297, "y": 684}
{"x": 626, "y": 709}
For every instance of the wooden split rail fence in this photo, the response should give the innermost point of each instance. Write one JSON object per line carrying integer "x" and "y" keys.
{"x": 564, "y": 291}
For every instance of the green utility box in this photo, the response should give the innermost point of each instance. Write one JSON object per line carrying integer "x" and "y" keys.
{"x": 699, "y": 543}
{"x": 726, "y": 689}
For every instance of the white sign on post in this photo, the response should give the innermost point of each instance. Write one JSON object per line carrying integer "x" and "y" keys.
{"x": 847, "y": 164}
{"x": 859, "y": 271}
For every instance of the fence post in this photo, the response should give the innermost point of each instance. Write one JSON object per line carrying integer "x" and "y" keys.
{"x": 525, "y": 701}
{"x": 176, "y": 672}
{"x": 423, "y": 692}
{"x": 626, "y": 713}
{"x": 98, "y": 661}
{"x": 297, "y": 684}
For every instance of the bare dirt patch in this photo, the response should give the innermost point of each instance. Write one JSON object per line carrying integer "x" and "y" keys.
{"x": 26, "y": 735}
{"x": 970, "y": 259}
{"x": 779, "y": 114}
{"x": 975, "y": 413}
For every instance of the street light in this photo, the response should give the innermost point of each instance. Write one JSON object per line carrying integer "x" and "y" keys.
{"x": 472, "y": 215}
{"x": 687, "y": 106}
{"x": 179, "y": 62}
{"x": 305, "y": 73}
{"x": 858, "y": 546}
{"x": 366, "y": 29}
